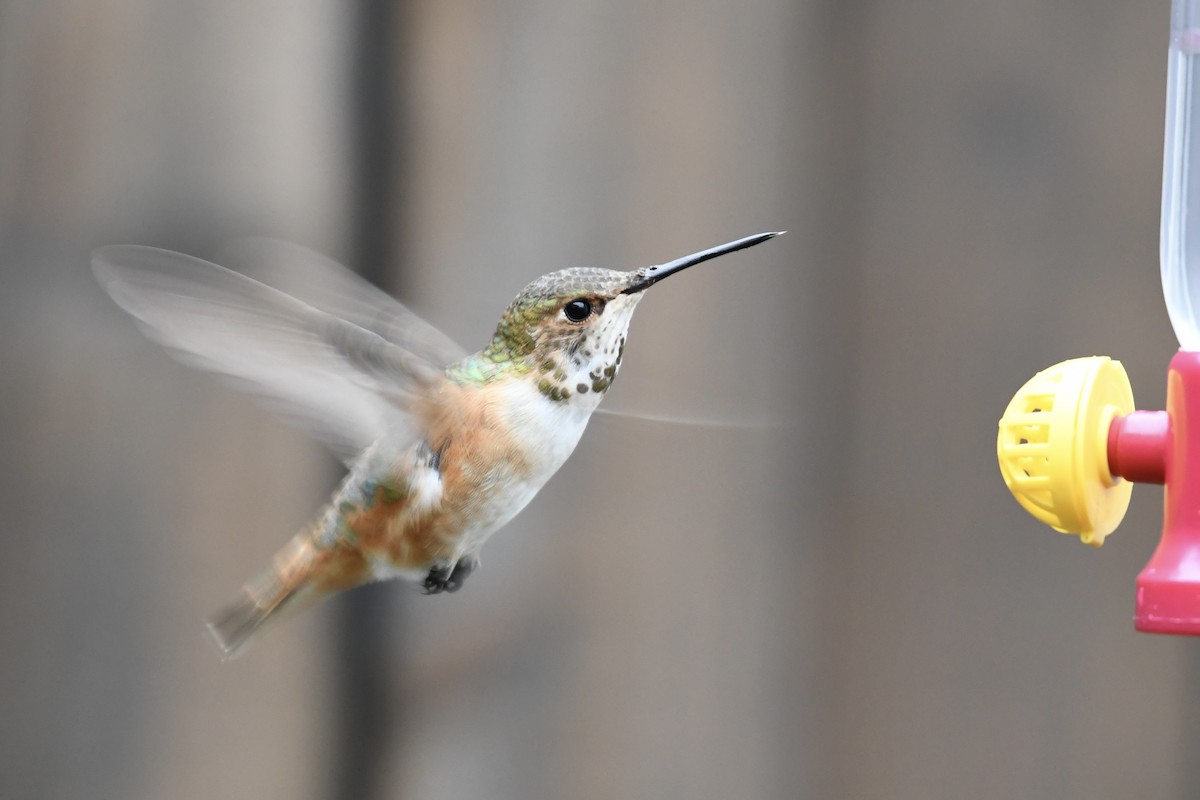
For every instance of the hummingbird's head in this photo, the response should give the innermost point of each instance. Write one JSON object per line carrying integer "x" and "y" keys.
{"x": 567, "y": 329}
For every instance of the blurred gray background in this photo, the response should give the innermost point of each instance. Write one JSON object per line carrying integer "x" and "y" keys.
{"x": 845, "y": 605}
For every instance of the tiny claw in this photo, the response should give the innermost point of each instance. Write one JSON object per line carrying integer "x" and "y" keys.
{"x": 444, "y": 578}
{"x": 437, "y": 579}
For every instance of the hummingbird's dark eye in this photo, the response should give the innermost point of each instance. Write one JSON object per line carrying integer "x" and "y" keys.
{"x": 578, "y": 310}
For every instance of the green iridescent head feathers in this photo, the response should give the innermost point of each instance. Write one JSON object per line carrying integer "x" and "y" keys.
{"x": 534, "y": 323}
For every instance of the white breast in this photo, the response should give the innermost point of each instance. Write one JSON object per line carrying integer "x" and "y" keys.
{"x": 549, "y": 429}
{"x": 547, "y": 432}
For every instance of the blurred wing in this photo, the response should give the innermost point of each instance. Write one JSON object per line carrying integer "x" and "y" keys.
{"x": 343, "y": 383}
{"x": 327, "y": 285}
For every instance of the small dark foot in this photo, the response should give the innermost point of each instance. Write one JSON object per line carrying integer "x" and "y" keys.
{"x": 458, "y": 576}
{"x": 444, "y": 578}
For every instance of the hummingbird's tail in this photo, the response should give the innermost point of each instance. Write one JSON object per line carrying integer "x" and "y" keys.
{"x": 276, "y": 594}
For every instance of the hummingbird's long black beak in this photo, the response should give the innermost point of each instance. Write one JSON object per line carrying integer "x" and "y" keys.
{"x": 649, "y": 276}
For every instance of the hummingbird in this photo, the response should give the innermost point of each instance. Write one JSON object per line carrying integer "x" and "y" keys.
{"x": 442, "y": 447}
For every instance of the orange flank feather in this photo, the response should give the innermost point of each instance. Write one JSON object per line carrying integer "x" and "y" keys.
{"x": 410, "y": 519}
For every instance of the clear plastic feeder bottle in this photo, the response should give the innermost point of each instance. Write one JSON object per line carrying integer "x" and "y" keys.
{"x": 1179, "y": 248}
